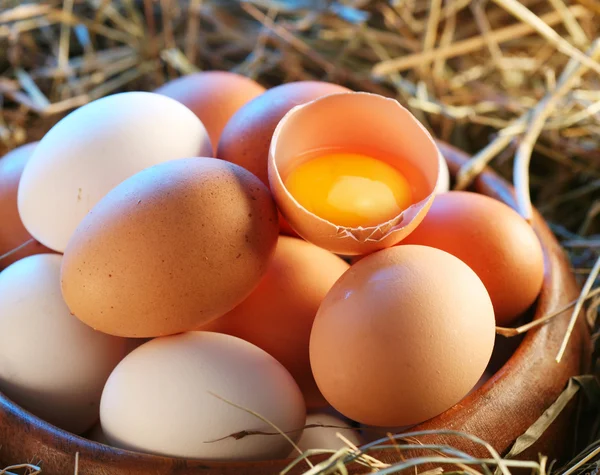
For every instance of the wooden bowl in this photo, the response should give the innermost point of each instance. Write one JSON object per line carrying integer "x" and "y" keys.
{"x": 500, "y": 411}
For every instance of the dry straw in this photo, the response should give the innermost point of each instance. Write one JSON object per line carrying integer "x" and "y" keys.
{"x": 514, "y": 83}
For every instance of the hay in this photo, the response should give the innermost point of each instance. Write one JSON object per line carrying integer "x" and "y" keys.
{"x": 514, "y": 83}
{"x": 479, "y": 74}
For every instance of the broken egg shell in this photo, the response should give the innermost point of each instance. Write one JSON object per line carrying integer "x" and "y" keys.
{"x": 338, "y": 121}
{"x": 443, "y": 184}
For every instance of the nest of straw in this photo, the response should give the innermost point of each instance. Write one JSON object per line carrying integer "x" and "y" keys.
{"x": 514, "y": 83}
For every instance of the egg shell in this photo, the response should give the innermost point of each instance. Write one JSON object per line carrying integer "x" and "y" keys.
{"x": 95, "y": 148}
{"x": 402, "y": 336}
{"x": 279, "y": 313}
{"x": 325, "y": 438}
{"x": 214, "y": 96}
{"x": 443, "y": 184}
{"x": 164, "y": 398}
{"x": 338, "y": 121}
{"x": 12, "y": 232}
{"x": 50, "y": 363}
{"x": 174, "y": 246}
{"x": 246, "y": 138}
{"x": 492, "y": 239}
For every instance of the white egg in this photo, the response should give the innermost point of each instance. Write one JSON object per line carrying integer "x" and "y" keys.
{"x": 163, "y": 398}
{"x": 325, "y": 437}
{"x": 51, "y": 363}
{"x": 95, "y": 148}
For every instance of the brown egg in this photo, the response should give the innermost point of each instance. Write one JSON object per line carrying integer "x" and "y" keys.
{"x": 494, "y": 240}
{"x": 170, "y": 248}
{"x": 214, "y": 96}
{"x": 402, "y": 336}
{"x": 12, "y": 232}
{"x": 246, "y": 137}
{"x": 279, "y": 314}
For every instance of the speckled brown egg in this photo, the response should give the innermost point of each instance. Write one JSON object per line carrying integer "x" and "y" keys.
{"x": 172, "y": 247}
{"x": 12, "y": 232}
{"x": 214, "y": 96}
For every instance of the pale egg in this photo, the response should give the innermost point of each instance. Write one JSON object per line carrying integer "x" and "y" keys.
{"x": 189, "y": 395}
{"x": 95, "y": 148}
{"x": 51, "y": 364}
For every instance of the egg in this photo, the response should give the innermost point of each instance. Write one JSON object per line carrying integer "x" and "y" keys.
{"x": 171, "y": 248}
{"x": 12, "y": 232}
{"x": 214, "y": 96}
{"x": 95, "y": 148}
{"x": 375, "y": 182}
{"x": 168, "y": 397}
{"x": 325, "y": 438}
{"x": 50, "y": 363}
{"x": 402, "y": 336}
{"x": 246, "y": 138}
{"x": 492, "y": 239}
{"x": 279, "y": 313}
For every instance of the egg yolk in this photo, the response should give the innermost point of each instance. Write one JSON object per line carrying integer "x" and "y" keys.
{"x": 350, "y": 189}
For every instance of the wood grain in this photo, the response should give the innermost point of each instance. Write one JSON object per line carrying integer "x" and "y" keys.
{"x": 498, "y": 412}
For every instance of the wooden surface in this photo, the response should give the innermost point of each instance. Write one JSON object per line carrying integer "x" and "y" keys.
{"x": 498, "y": 412}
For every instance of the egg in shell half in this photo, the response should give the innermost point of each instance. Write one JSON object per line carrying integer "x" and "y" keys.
{"x": 335, "y": 163}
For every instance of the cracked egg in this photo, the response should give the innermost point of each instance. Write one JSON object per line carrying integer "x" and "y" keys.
{"x": 353, "y": 172}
